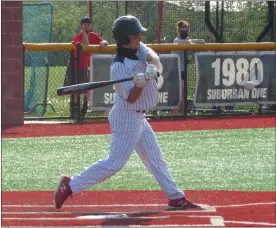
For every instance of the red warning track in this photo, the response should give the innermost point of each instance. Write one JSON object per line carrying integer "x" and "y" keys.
{"x": 89, "y": 128}
{"x": 139, "y": 208}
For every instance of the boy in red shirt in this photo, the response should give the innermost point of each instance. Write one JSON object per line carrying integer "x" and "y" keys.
{"x": 84, "y": 37}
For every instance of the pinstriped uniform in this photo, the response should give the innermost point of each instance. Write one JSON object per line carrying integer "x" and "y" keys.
{"x": 130, "y": 131}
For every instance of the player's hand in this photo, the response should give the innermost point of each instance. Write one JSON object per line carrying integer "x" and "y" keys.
{"x": 151, "y": 72}
{"x": 103, "y": 43}
{"x": 140, "y": 80}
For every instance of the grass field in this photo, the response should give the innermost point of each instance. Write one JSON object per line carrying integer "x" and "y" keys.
{"x": 242, "y": 159}
{"x": 56, "y": 78}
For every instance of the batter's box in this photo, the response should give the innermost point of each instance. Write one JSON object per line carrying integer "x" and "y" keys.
{"x": 179, "y": 218}
{"x": 164, "y": 220}
{"x": 204, "y": 209}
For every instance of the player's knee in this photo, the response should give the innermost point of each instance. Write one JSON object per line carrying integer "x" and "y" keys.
{"x": 115, "y": 166}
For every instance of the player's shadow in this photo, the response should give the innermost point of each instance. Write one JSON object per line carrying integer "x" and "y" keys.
{"x": 137, "y": 218}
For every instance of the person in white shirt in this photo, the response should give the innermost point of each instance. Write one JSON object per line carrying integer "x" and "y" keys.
{"x": 182, "y": 30}
{"x": 130, "y": 129}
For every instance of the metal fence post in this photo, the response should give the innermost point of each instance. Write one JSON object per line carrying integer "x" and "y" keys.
{"x": 79, "y": 50}
{"x": 72, "y": 62}
{"x": 218, "y": 37}
{"x": 264, "y": 32}
{"x": 185, "y": 79}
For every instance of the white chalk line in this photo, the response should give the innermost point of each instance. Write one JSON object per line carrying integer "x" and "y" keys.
{"x": 129, "y": 205}
{"x": 218, "y": 221}
{"x": 214, "y": 220}
{"x": 108, "y": 217}
{"x": 251, "y": 223}
{"x": 247, "y": 204}
{"x": 88, "y": 205}
{"x": 206, "y": 208}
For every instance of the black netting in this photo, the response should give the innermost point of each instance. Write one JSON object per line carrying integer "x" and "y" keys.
{"x": 60, "y": 21}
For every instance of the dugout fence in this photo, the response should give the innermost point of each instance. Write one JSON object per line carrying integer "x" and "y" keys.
{"x": 240, "y": 68}
{"x": 215, "y": 22}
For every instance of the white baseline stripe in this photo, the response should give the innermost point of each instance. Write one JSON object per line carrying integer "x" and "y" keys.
{"x": 89, "y": 205}
{"x": 117, "y": 218}
{"x": 244, "y": 205}
{"x": 38, "y": 213}
{"x": 218, "y": 221}
{"x": 251, "y": 223}
{"x": 102, "y": 213}
{"x": 92, "y": 218}
{"x": 204, "y": 206}
{"x": 132, "y": 205}
{"x": 214, "y": 220}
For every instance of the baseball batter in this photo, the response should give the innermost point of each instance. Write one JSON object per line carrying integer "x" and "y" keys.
{"x": 130, "y": 129}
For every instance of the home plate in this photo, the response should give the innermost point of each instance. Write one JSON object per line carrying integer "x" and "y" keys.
{"x": 118, "y": 216}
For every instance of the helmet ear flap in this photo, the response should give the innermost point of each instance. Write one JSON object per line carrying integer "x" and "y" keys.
{"x": 119, "y": 34}
{"x": 123, "y": 40}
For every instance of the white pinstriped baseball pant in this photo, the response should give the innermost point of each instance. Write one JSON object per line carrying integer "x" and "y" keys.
{"x": 130, "y": 131}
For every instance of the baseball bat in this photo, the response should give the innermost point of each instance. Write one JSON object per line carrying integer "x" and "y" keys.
{"x": 83, "y": 87}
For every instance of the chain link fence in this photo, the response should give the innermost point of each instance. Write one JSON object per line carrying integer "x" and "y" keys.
{"x": 44, "y": 71}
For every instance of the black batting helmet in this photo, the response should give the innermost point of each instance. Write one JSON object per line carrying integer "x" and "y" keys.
{"x": 124, "y": 26}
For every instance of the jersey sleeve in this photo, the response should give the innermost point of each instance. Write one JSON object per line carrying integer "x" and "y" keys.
{"x": 94, "y": 38}
{"x": 119, "y": 71}
{"x": 176, "y": 40}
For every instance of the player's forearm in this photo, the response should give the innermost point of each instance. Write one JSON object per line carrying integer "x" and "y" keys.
{"x": 134, "y": 94}
{"x": 84, "y": 38}
{"x": 184, "y": 41}
{"x": 198, "y": 41}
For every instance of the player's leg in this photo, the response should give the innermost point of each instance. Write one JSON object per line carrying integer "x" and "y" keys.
{"x": 126, "y": 132}
{"x": 149, "y": 151}
{"x": 121, "y": 148}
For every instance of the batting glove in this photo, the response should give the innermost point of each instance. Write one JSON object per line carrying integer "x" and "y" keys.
{"x": 140, "y": 80}
{"x": 151, "y": 72}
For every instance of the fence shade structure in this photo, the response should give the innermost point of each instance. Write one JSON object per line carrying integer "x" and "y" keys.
{"x": 163, "y": 48}
{"x": 258, "y": 46}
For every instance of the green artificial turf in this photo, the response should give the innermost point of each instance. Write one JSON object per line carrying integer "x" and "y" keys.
{"x": 241, "y": 159}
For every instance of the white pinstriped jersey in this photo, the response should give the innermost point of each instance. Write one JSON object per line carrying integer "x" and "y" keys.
{"x": 124, "y": 67}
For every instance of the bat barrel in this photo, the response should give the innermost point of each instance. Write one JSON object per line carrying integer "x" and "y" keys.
{"x": 81, "y": 88}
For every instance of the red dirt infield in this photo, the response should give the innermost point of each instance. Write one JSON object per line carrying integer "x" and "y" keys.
{"x": 102, "y": 127}
{"x": 139, "y": 208}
